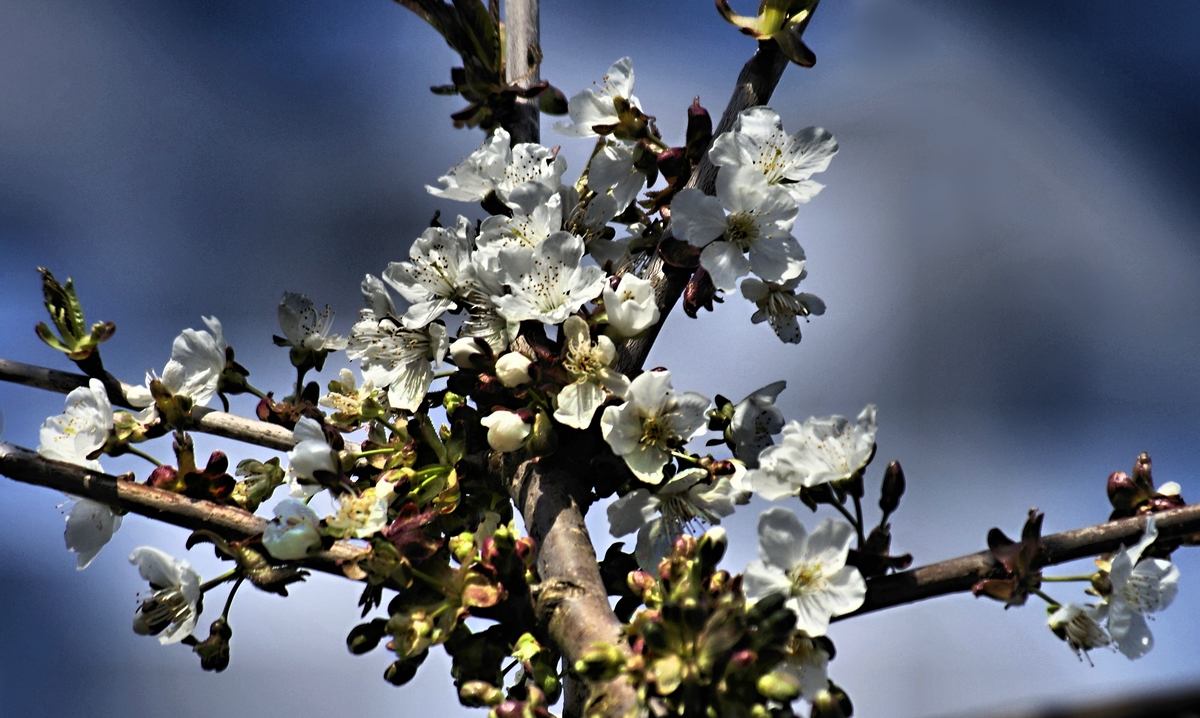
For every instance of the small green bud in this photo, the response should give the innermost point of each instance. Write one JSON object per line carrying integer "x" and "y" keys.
{"x": 478, "y": 694}
{"x": 365, "y": 637}
{"x": 779, "y": 686}
{"x": 601, "y": 662}
{"x": 543, "y": 440}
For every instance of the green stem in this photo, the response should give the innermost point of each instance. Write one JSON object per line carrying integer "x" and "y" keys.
{"x": 686, "y": 457}
{"x": 374, "y": 452}
{"x": 254, "y": 391}
{"x": 1080, "y": 577}
{"x": 849, "y": 517}
{"x": 859, "y": 513}
{"x": 425, "y": 577}
{"x": 229, "y": 598}
{"x": 207, "y": 585}
{"x": 395, "y": 429}
{"x": 443, "y": 374}
{"x": 300, "y": 372}
{"x": 1045, "y": 598}
{"x": 144, "y": 455}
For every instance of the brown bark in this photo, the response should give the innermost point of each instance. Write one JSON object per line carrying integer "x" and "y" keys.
{"x": 958, "y": 575}
{"x": 227, "y": 521}
{"x": 522, "y": 64}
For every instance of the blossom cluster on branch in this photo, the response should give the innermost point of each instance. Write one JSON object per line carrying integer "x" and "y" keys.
{"x": 495, "y": 343}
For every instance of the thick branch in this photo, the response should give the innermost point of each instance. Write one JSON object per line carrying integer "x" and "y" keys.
{"x": 754, "y": 87}
{"x": 522, "y": 64}
{"x": 959, "y": 574}
{"x": 227, "y": 521}
{"x": 206, "y": 420}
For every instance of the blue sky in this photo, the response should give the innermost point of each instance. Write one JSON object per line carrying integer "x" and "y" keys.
{"x": 1007, "y": 243}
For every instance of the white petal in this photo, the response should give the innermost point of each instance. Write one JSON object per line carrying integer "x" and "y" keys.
{"x": 696, "y": 217}
{"x": 725, "y": 263}
{"x": 760, "y": 580}
{"x": 90, "y": 526}
{"x": 577, "y": 404}
{"x": 631, "y": 512}
{"x": 781, "y": 538}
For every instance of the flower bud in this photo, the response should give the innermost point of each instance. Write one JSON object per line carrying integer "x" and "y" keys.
{"x": 544, "y": 439}
{"x": 711, "y": 548}
{"x": 630, "y": 306}
{"x": 603, "y": 661}
{"x": 462, "y": 547}
{"x": 401, "y": 672}
{"x": 214, "y": 650}
{"x": 1123, "y": 494}
{"x": 466, "y": 352}
{"x": 294, "y": 533}
{"x": 1141, "y": 473}
{"x": 506, "y": 431}
{"x": 893, "y": 488}
{"x": 365, "y": 637}
{"x": 512, "y": 369}
{"x": 779, "y": 686}
{"x": 477, "y": 694}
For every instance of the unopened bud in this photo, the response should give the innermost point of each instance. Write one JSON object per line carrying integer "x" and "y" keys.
{"x": 506, "y": 431}
{"x": 742, "y": 659}
{"x": 543, "y": 440}
{"x": 711, "y": 548}
{"x": 684, "y": 547}
{"x": 1142, "y": 477}
{"x": 1123, "y": 493}
{"x": 601, "y": 662}
{"x": 467, "y": 353}
{"x": 478, "y": 694}
{"x": 462, "y": 547}
{"x": 365, "y": 637}
{"x": 779, "y": 686}
{"x": 512, "y": 369}
{"x": 403, "y": 671}
{"x": 214, "y": 650}
{"x": 893, "y": 488}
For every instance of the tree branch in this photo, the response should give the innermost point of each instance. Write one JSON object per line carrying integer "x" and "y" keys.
{"x": 522, "y": 65}
{"x": 755, "y": 84}
{"x": 208, "y": 421}
{"x": 227, "y": 521}
{"x": 958, "y": 575}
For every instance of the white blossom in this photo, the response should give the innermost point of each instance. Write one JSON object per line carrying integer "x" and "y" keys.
{"x": 759, "y": 222}
{"x": 433, "y": 279}
{"x": 294, "y": 533}
{"x": 686, "y": 501}
{"x": 463, "y": 349}
{"x": 73, "y": 436}
{"x": 592, "y": 108}
{"x": 512, "y": 369}
{"x": 483, "y": 321}
{"x": 497, "y": 168}
{"x": 306, "y": 328}
{"x": 780, "y": 305}
{"x": 808, "y": 569}
{"x": 808, "y": 662}
{"x": 171, "y": 610}
{"x": 814, "y": 453}
{"x": 1080, "y": 627}
{"x": 1139, "y": 587}
{"x": 630, "y": 307}
{"x": 612, "y": 171}
{"x": 530, "y": 224}
{"x": 506, "y": 430}
{"x": 348, "y": 402}
{"x": 758, "y": 141}
{"x": 547, "y": 284}
{"x": 652, "y": 422}
{"x": 755, "y": 420}
{"x": 311, "y": 454}
{"x": 589, "y": 365}
{"x": 397, "y": 358}
{"x": 197, "y": 362}
{"x": 361, "y": 516}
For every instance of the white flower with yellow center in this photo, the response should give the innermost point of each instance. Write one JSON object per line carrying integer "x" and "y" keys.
{"x": 304, "y": 327}
{"x": 596, "y": 108}
{"x": 311, "y": 454}
{"x": 547, "y": 284}
{"x": 652, "y": 422}
{"x": 813, "y": 453}
{"x": 361, "y": 516}
{"x": 73, "y": 436}
{"x": 759, "y": 224}
{"x": 1139, "y": 587}
{"x": 432, "y": 279}
{"x": 686, "y": 502}
{"x": 612, "y": 172}
{"x": 593, "y": 378}
{"x": 780, "y": 305}
{"x": 808, "y": 569}
{"x": 530, "y": 224}
{"x": 397, "y": 358}
{"x": 496, "y": 167}
{"x": 171, "y": 609}
{"x": 758, "y": 141}
{"x": 808, "y": 662}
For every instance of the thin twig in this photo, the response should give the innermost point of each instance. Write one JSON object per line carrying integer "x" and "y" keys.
{"x": 958, "y": 575}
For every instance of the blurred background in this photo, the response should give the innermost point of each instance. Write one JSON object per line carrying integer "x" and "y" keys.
{"x": 1008, "y": 244}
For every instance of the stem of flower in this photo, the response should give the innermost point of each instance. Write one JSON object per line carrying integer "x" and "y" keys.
{"x": 509, "y": 667}
{"x": 229, "y": 598}
{"x": 254, "y": 391}
{"x": 144, "y": 455}
{"x": 300, "y": 372}
{"x": 849, "y": 517}
{"x": 1079, "y": 577}
{"x": 374, "y": 452}
{"x": 389, "y": 425}
{"x": 208, "y": 585}
{"x": 425, "y": 577}
{"x": 686, "y": 457}
{"x": 443, "y": 374}
{"x": 858, "y": 512}
{"x": 1045, "y": 598}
